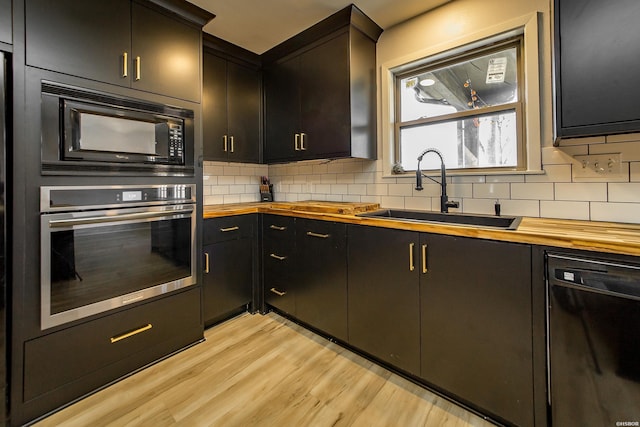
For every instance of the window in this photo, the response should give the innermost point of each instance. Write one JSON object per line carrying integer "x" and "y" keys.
{"x": 469, "y": 107}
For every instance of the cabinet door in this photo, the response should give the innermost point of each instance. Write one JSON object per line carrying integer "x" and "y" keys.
{"x": 321, "y": 292}
{"x": 228, "y": 281}
{"x": 169, "y": 52}
{"x": 282, "y": 112}
{"x": 384, "y": 299}
{"x": 81, "y": 38}
{"x": 244, "y": 92}
{"x": 477, "y": 323}
{"x": 325, "y": 113}
{"x": 597, "y": 66}
{"x": 214, "y": 107}
{"x": 5, "y": 22}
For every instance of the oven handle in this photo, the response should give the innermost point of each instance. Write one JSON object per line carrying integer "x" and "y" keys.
{"x": 124, "y": 217}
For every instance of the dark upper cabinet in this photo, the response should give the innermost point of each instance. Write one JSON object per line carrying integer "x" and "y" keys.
{"x": 232, "y": 101}
{"x": 6, "y": 22}
{"x": 321, "y": 280}
{"x": 228, "y": 275}
{"x": 320, "y": 91}
{"x": 476, "y": 323}
{"x": 597, "y": 66}
{"x": 120, "y": 42}
{"x": 87, "y": 39}
{"x": 165, "y": 53}
{"x": 384, "y": 295}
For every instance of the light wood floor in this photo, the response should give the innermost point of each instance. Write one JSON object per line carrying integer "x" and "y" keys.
{"x": 264, "y": 371}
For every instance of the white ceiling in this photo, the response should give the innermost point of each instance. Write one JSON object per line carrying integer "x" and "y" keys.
{"x": 259, "y": 25}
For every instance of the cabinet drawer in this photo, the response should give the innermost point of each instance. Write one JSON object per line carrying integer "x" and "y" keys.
{"x": 278, "y": 228}
{"x": 228, "y": 228}
{"x": 63, "y": 357}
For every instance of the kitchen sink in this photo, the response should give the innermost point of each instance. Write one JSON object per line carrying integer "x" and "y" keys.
{"x": 502, "y": 222}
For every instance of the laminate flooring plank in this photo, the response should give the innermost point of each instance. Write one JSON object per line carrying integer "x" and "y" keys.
{"x": 263, "y": 371}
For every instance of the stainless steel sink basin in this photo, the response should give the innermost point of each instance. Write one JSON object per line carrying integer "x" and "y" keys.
{"x": 502, "y": 222}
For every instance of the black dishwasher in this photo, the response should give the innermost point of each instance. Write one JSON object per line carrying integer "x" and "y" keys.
{"x": 593, "y": 341}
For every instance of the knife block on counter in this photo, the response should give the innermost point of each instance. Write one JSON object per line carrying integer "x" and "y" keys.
{"x": 266, "y": 193}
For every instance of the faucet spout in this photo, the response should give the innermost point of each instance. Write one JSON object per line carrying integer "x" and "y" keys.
{"x": 444, "y": 199}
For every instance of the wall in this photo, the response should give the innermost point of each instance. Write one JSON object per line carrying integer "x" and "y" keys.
{"x": 554, "y": 192}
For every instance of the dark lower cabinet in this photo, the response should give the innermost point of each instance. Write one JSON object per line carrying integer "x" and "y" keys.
{"x": 321, "y": 280}
{"x": 70, "y": 363}
{"x": 384, "y": 295}
{"x": 476, "y": 323}
{"x": 228, "y": 276}
{"x": 278, "y": 253}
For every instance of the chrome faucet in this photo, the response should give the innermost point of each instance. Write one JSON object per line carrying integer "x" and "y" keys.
{"x": 445, "y": 204}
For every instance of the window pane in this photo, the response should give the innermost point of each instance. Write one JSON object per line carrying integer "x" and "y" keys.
{"x": 484, "y": 141}
{"x": 483, "y": 81}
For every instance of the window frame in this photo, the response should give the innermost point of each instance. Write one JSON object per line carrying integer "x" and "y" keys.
{"x": 423, "y": 65}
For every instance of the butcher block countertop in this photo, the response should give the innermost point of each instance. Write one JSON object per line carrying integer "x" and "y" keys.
{"x": 586, "y": 235}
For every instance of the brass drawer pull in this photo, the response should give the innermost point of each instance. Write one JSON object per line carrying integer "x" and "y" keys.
{"x": 275, "y": 227}
{"x": 424, "y": 259}
{"x": 277, "y": 292}
{"x": 322, "y": 236}
{"x": 303, "y": 137}
{"x": 125, "y": 65}
{"x": 225, "y": 230}
{"x": 206, "y": 262}
{"x": 224, "y": 141}
{"x": 131, "y": 333}
{"x": 296, "y": 142}
{"x": 411, "y": 264}
{"x": 137, "y": 65}
{"x": 232, "y": 148}
{"x": 278, "y": 257}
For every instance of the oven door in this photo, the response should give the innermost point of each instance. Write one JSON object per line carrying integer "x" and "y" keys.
{"x": 96, "y": 261}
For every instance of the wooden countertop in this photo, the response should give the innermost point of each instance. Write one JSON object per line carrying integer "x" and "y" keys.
{"x": 586, "y": 235}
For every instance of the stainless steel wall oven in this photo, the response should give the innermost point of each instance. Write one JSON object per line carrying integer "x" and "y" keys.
{"x": 104, "y": 247}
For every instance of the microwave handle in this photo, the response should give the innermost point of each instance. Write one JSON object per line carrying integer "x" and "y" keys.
{"x": 125, "y": 217}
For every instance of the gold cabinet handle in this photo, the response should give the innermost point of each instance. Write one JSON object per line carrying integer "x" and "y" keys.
{"x": 424, "y": 259}
{"x": 206, "y": 262}
{"x": 278, "y": 257}
{"x": 296, "y": 142}
{"x": 275, "y": 227}
{"x": 130, "y": 333}
{"x": 303, "y": 137}
{"x": 224, "y": 139}
{"x": 125, "y": 65}
{"x": 232, "y": 148}
{"x": 322, "y": 236}
{"x": 411, "y": 265}
{"x": 137, "y": 62}
{"x": 277, "y": 292}
{"x": 226, "y": 230}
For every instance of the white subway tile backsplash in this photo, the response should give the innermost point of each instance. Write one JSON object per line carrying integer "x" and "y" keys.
{"x": 401, "y": 189}
{"x": 419, "y": 203}
{"x": 634, "y": 171}
{"x": 584, "y": 141}
{"x": 624, "y": 192}
{"x": 532, "y": 191}
{"x": 520, "y": 207}
{"x": 491, "y": 191}
{"x": 564, "y": 210}
{"x": 552, "y": 173}
{"x": 581, "y": 191}
{"x": 615, "y": 212}
{"x": 554, "y": 194}
{"x": 392, "y": 202}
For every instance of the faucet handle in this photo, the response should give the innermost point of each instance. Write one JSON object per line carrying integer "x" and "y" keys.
{"x": 452, "y": 204}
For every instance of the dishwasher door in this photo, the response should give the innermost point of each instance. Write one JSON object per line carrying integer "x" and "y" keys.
{"x": 593, "y": 341}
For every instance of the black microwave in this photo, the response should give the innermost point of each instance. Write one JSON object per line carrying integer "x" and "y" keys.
{"x": 85, "y": 132}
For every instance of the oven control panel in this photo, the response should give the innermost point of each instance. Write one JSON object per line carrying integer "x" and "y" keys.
{"x": 54, "y": 199}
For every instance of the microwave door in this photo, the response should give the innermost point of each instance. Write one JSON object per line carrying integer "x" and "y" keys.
{"x": 117, "y": 135}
